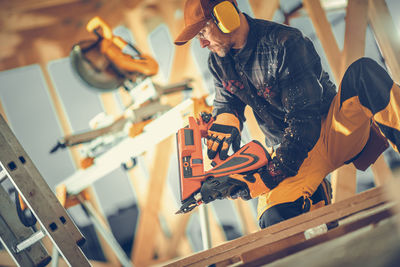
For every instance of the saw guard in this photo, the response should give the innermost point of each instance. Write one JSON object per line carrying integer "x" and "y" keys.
{"x": 103, "y": 64}
{"x": 93, "y": 68}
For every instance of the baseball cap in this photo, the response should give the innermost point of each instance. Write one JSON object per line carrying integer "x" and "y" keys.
{"x": 196, "y": 15}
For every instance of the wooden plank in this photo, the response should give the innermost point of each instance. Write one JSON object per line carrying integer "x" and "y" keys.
{"x": 2, "y": 113}
{"x": 246, "y": 217}
{"x": 264, "y": 9}
{"x": 382, "y": 173}
{"x": 71, "y": 18}
{"x": 253, "y": 127}
{"x": 387, "y": 36}
{"x": 362, "y": 201}
{"x": 355, "y": 32}
{"x": 178, "y": 233}
{"x": 6, "y": 259}
{"x": 289, "y": 245}
{"x": 344, "y": 182}
{"x": 325, "y": 34}
{"x": 144, "y": 244}
{"x": 109, "y": 253}
{"x": 25, "y": 5}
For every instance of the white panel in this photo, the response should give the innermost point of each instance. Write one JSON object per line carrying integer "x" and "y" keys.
{"x": 28, "y": 107}
{"x": 163, "y": 49}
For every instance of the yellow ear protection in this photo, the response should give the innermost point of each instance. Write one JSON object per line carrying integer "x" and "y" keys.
{"x": 226, "y": 16}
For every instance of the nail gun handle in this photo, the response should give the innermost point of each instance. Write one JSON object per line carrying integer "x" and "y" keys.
{"x": 217, "y": 160}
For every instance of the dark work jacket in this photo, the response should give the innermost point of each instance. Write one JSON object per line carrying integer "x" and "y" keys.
{"x": 279, "y": 74}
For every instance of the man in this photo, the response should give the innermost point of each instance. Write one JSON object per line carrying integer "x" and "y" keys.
{"x": 275, "y": 70}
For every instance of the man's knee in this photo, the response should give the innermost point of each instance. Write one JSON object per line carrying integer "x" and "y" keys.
{"x": 281, "y": 212}
{"x": 366, "y": 79}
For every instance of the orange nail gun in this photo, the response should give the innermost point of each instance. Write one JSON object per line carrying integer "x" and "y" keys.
{"x": 198, "y": 186}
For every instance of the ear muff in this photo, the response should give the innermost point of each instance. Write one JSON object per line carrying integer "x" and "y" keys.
{"x": 226, "y": 16}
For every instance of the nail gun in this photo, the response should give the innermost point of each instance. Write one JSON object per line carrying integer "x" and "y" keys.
{"x": 198, "y": 186}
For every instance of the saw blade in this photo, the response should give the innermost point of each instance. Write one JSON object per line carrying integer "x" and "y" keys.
{"x": 93, "y": 68}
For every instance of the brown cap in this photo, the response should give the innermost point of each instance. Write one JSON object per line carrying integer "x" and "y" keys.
{"x": 196, "y": 15}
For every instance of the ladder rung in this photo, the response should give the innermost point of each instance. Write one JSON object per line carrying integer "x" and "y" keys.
{"x": 37, "y": 236}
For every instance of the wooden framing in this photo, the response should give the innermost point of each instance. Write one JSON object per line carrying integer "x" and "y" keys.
{"x": 325, "y": 35}
{"x": 386, "y": 34}
{"x": 43, "y": 40}
{"x": 267, "y": 242}
{"x": 144, "y": 242}
{"x": 358, "y": 12}
{"x": 264, "y": 9}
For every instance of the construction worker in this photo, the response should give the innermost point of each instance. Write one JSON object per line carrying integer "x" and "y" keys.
{"x": 313, "y": 127}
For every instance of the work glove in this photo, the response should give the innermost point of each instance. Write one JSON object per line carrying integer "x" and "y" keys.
{"x": 224, "y": 132}
{"x": 270, "y": 175}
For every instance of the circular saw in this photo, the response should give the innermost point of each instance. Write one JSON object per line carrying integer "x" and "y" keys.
{"x": 102, "y": 64}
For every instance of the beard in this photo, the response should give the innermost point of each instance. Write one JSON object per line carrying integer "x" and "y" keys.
{"x": 220, "y": 50}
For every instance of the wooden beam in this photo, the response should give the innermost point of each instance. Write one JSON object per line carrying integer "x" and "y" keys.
{"x": 325, "y": 35}
{"x": 382, "y": 173}
{"x": 264, "y": 9}
{"x": 344, "y": 179}
{"x": 387, "y": 35}
{"x": 355, "y": 32}
{"x": 344, "y": 182}
{"x": 136, "y": 21}
{"x": 253, "y": 127}
{"x": 2, "y": 113}
{"x": 298, "y": 242}
{"x": 64, "y": 24}
{"x": 246, "y": 217}
{"x": 355, "y": 204}
{"x": 178, "y": 233}
{"x": 27, "y": 5}
{"x": 144, "y": 243}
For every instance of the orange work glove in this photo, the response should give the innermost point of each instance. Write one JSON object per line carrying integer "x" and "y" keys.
{"x": 224, "y": 132}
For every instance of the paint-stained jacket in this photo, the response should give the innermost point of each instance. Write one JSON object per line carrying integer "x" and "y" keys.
{"x": 279, "y": 74}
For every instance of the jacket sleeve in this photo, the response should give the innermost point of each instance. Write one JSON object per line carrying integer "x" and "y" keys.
{"x": 301, "y": 100}
{"x": 225, "y": 101}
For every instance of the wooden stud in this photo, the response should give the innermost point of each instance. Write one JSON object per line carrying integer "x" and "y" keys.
{"x": 355, "y": 32}
{"x": 344, "y": 180}
{"x": 144, "y": 244}
{"x": 297, "y": 242}
{"x": 247, "y": 218}
{"x": 253, "y": 127}
{"x": 387, "y": 35}
{"x": 179, "y": 231}
{"x": 355, "y": 204}
{"x": 2, "y": 113}
{"x": 264, "y": 9}
{"x": 382, "y": 172}
{"x": 325, "y": 35}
